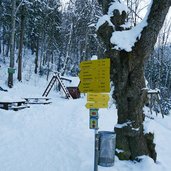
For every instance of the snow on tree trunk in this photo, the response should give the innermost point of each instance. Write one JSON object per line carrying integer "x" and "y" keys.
{"x": 127, "y": 72}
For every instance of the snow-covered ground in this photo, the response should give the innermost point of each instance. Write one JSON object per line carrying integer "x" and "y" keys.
{"x": 56, "y": 137}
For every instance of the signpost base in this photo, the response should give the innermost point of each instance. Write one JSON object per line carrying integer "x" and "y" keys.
{"x": 96, "y": 150}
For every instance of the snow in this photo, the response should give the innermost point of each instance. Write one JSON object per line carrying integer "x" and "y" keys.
{"x": 151, "y": 91}
{"x": 94, "y": 57}
{"x": 117, "y": 6}
{"x": 64, "y": 1}
{"x": 74, "y": 81}
{"x": 122, "y": 125}
{"x": 106, "y": 18}
{"x": 47, "y": 137}
{"x": 102, "y": 20}
{"x": 125, "y": 40}
{"x": 57, "y": 136}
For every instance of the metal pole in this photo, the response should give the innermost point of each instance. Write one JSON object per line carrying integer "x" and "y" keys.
{"x": 96, "y": 150}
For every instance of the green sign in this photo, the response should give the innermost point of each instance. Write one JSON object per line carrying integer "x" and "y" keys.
{"x": 11, "y": 70}
{"x": 93, "y": 112}
{"x": 93, "y": 123}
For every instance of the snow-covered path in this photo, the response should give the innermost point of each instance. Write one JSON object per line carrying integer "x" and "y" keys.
{"x": 56, "y": 137}
{"x": 38, "y": 138}
{"x": 51, "y": 137}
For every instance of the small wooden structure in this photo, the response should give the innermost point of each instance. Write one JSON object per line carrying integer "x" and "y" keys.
{"x": 57, "y": 77}
{"x": 74, "y": 91}
{"x": 155, "y": 101}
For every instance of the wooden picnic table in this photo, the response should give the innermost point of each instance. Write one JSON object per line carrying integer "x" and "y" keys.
{"x": 13, "y": 104}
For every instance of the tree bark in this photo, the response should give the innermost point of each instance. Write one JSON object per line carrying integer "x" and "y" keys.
{"x": 36, "y": 56}
{"x": 21, "y": 45}
{"x": 12, "y": 45}
{"x": 127, "y": 73}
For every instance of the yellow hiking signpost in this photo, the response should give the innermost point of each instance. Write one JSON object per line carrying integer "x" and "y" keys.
{"x": 95, "y": 64}
{"x": 96, "y": 105}
{"x": 94, "y": 86}
{"x": 97, "y": 97}
{"x": 95, "y": 76}
{"x": 95, "y": 81}
{"x": 97, "y": 100}
{"x": 98, "y": 74}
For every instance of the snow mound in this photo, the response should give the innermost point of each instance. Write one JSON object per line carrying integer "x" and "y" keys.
{"x": 125, "y": 40}
{"x": 120, "y": 6}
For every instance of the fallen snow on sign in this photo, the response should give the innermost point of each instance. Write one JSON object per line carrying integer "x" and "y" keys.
{"x": 126, "y": 39}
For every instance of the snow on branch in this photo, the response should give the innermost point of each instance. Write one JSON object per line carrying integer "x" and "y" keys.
{"x": 125, "y": 40}
{"x": 123, "y": 124}
{"x": 102, "y": 20}
{"x": 120, "y": 6}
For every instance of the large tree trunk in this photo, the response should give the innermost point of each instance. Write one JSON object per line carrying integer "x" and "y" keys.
{"x": 127, "y": 73}
{"x": 12, "y": 45}
{"x": 128, "y": 77}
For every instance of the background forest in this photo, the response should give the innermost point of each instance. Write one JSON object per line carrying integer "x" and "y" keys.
{"x": 57, "y": 37}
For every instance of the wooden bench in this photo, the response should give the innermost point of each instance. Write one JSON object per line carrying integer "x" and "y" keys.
{"x": 37, "y": 100}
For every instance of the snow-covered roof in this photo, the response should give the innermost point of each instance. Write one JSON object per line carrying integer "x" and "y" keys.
{"x": 74, "y": 81}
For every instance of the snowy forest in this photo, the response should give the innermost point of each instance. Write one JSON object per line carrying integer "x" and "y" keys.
{"x": 45, "y": 39}
{"x": 60, "y": 35}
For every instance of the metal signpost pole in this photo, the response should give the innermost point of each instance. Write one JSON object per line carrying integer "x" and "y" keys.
{"x": 96, "y": 150}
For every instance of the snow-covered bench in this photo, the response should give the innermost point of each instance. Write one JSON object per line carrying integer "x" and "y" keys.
{"x": 13, "y": 104}
{"x": 37, "y": 100}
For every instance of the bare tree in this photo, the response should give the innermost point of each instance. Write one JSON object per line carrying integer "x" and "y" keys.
{"x": 12, "y": 44}
{"x": 21, "y": 43}
{"x": 127, "y": 73}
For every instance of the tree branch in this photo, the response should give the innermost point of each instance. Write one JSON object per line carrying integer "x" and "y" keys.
{"x": 155, "y": 22}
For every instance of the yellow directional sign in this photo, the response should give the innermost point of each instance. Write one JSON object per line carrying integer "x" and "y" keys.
{"x": 94, "y": 86}
{"x": 91, "y": 72}
{"x": 96, "y": 105}
{"x": 97, "y": 97}
{"x": 103, "y": 74}
{"x": 95, "y": 76}
{"x": 95, "y": 64}
{"x": 101, "y": 79}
